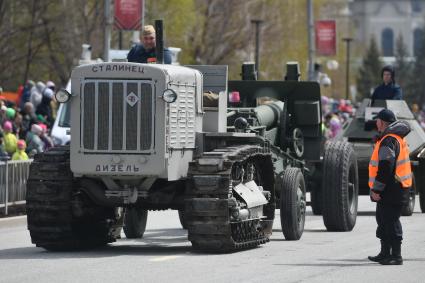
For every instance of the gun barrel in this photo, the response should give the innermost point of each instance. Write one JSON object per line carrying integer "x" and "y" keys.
{"x": 269, "y": 114}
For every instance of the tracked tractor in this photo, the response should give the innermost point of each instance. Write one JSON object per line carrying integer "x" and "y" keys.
{"x": 154, "y": 137}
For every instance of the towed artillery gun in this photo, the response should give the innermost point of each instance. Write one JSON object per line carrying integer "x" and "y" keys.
{"x": 142, "y": 139}
{"x": 361, "y": 130}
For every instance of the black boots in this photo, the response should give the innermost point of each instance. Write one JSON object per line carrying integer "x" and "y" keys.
{"x": 383, "y": 254}
{"x": 395, "y": 258}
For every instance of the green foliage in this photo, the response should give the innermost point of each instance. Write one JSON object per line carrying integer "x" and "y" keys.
{"x": 180, "y": 20}
{"x": 41, "y": 39}
{"x": 369, "y": 75}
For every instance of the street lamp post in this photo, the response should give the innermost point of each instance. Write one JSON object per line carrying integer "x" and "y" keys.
{"x": 311, "y": 47}
{"x": 107, "y": 30}
{"x": 347, "y": 72}
{"x": 257, "y": 24}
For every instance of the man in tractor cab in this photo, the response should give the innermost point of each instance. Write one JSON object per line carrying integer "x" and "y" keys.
{"x": 145, "y": 53}
{"x": 388, "y": 89}
{"x": 390, "y": 179}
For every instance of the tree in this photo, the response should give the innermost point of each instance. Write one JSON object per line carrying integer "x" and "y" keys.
{"x": 225, "y": 32}
{"x": 41, "y": 40}
{"x": 369, "y": 74}
{"x": 403, "y": 66}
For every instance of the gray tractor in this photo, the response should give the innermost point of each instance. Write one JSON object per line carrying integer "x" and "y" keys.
{"x": 360, "y": 132}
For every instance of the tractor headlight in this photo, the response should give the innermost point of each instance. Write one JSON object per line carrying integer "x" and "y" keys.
{"x": 169, "y": 95}
{"x": 62, "y": 96}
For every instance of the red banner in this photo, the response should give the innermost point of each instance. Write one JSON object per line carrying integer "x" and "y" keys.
{"x": 128, "y": 14}
{"x": 325, "y": 38}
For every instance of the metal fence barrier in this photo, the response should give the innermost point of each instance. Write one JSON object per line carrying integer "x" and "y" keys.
{"x": 13, "y": 182}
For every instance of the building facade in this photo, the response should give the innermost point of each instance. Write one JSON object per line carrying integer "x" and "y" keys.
{"x": 385, "y": 20}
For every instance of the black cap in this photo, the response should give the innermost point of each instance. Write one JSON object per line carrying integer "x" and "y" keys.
{"x": 386, "y": 115}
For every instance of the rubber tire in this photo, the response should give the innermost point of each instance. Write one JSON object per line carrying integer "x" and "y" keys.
{"x": 407, "y": 210}
{"x": 135, "y": 220}
{"x": 316, "y": 201}
{"x": 292, "y": 228}
{"x": 338, "y": 161}
{"x": 181, "y": 218}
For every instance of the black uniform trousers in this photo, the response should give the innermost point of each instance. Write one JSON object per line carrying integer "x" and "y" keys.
{"x": 388, "y": 219}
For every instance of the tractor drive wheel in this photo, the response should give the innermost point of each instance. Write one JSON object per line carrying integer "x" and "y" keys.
{"x": 292, "y": 204}
{"x": 340, "y": 187}
{"x": 408, "y": 209}
{"x": 182, "y": 218}
{"x": 216, "y": 220}
{"x": 60, "y": 216}
{"x": 135, "y": 222}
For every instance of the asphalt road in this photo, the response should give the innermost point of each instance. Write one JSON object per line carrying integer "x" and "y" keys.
{"x": 165, "y": 255}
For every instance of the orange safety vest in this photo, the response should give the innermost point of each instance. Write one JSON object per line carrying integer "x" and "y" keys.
{"x": 403, "y": 171}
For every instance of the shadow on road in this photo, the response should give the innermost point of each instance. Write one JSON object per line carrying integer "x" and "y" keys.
{"x": 305, "y": 230}
{"x": 366, "y": 213}
{"x": 326, "y": 264}
{"x": 315, "y": 230}
{"x": 155, "y": 242}
{"x": 282, "y": 239}
{"x": 344, "y": 262}
{"x": 335, "y": 263}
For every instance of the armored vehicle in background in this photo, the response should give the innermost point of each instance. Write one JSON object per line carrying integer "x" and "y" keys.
{"x": 361, "y": 132}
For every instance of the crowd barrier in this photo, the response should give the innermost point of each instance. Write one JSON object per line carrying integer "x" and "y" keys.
{"x": 13, "y": 183}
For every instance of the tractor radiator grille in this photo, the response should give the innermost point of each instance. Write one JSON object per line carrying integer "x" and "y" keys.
{"x": 116, "y": 116}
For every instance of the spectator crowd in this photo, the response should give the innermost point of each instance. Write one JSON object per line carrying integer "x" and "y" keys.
{"x": 335, "y": 113}
{"x": 25, "y": 123}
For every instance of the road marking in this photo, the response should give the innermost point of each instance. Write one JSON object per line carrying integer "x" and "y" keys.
{"x": 164, "y": 258}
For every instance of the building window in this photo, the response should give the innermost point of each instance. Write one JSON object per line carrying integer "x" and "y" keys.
{"x": 387, "y": 42}
{"x": 418, "y": 38}
{"x": 416, "y": 6}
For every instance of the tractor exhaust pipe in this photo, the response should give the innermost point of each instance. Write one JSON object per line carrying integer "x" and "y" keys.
{"x": 292, "y": 71}
{"x": 159, "y": 35}
{"x": 249, "y": 72}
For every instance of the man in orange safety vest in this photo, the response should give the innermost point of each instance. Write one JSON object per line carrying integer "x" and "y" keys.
{"x": 390, "y": 178}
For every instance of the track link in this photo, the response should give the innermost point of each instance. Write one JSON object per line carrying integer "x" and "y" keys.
{"x": 49, "y": 204}
{"x": 208, "y": 201}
